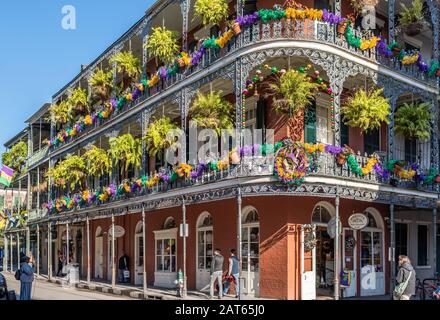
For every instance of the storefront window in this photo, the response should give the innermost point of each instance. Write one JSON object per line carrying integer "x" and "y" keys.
{"x": 422, "y": 245}
{"x": 166, "y": 255}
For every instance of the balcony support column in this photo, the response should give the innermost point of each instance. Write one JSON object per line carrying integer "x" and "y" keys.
{"x": 184, "y": 8}
{"x": 38, "y": 250}
{"x": 28, "y": 240}
{"x": 239, "y": 86}
{"x": 391, "y": 23}
{"x": 113, "y": 252}
{"x": 239, "y": 241}
{"x": 29, "y": 192}
{"x": 184, "y": 102}
{"x": 144, "y": 35}
{"x": 5, "y": 256}
{"x": 434, "y": 9}
{"x": 434, "y": 240}
{"x": 434, "y": 163}
{"x": 144, "y": 252}
{"x": 338, "y": 9}
{"x": 88, "y": 249}
{"x": 145, "y": 119}
{"x": 67, "y": 243}
{"x": 38, "y": 191}
{"x": 49, "y": 253}
{"x": 12, "y": 256}
{"x": 240, "y": 7}
{"x": 392, "y": 247}
{"x": 184, "y": 235}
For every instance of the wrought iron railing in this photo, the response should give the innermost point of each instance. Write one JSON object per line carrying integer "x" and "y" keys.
{"x": 286, "y": 29}
{"x": 327, "y": 166}
{"x": 37, "y": 156}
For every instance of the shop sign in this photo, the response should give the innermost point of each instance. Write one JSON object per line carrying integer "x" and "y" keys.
{"x": 331, "y": 227}
{"x": 119, "y": 231}
{"x": 358, "y": 221}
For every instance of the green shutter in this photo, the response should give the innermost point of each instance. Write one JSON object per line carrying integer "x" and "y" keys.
{"x": 310, "y": 124}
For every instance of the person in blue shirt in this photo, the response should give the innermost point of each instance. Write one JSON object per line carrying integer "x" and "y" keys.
{"x": 233, "y": 271}
{"x": 26, "y": 278}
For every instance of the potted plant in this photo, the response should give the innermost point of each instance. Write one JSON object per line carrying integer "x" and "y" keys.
{"x": 210, "y": 111}
{"x": 162, "y": 44}
{"x": 366, "y": 110}
{"x": 102, "y": 84}
{"x": 128, "y": 65}
{"x": 78, "y": 100}
{"x": 98, "y": 161}
{"x": 411, "y": 18}
{"x": 126, "y": 151}
{"x": 211, "y": 11}
{"x": 16, "y": 157}
{"x": 61, "y": 112}
{"x": 291, "y": 92}
{"x": 359, "y": 5}
{"x": 413, "y": 121}
{"x": 68, "y": 172}
{"x": 157, "y": 138}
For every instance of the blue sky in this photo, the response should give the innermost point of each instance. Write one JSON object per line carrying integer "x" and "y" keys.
{"x": 38, "y": 57}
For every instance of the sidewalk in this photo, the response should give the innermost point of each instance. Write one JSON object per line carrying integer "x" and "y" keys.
{"x": 136, "y": 292}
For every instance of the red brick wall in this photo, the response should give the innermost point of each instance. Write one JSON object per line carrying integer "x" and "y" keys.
{"x": 279, "y": 237}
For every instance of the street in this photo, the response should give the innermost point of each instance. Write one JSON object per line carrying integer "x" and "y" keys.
{"x": 43, "y": 290}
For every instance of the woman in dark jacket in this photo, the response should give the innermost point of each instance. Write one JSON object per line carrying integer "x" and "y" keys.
{"x": 26, "y": 278}
{"x": 406, "y": 271}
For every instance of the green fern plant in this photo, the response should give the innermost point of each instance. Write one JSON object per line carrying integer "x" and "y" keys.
{"x": 212, "y": 112}
{"x": 412, "y": 14}
{"x": 126, "y": 151}
{"x": 156, "y": 137}
{"x": 61, "y": 112}
{"x": 78, "y": 100}
{"x": 16, "y": 158}
{"x": 162, "y": 44}
{"x": 128, "y": 65}
{"x": 69, "y": 172}
{"x": 413, "y": 121}
{"x": 366, "y": 110}
{"x": 98, "y": 161}
{"x": 211, "y": 11}
{"x": 102, "y": 84}
{"x": 291, "y": 92}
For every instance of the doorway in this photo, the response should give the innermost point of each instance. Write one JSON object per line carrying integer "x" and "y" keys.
{"x": 139, "y": 255}
{"x": 99, "y": 256}
{"x": 324, "y": 261}
{"x": 204, "y": 251}
{"x": 349, "y": 261}
{"x": 372, "y": 256}
{"x": 111, "y": 258}
{"x": 250, "y": 251}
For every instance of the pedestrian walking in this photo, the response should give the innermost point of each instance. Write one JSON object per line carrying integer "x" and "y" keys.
{"x": 233, "y": 271}
{"x": 217, "y": 273}
{"x": 406, "y": 280}
{"x": 60, "y": 263}
{"x": 26, "y": 278}
{"x": 124, "y": 263}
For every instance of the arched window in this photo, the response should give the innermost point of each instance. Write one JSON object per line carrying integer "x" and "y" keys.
{"x": 372, "y": 221}
{"x": 205, "y": 221}
{"x": 98, "y": 232}
{"x": 321, "y": 215}
{"x": 170, "y": 223}
{"x": 139, "y": 228}
{"x": 251, "y": 217}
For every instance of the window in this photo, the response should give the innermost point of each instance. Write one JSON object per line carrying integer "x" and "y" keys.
{"x": 250, "y": 6}
{"x": 310, "y": 124}
{"x": 166, "y": 255}
{"x": 401, "y": 239}
{"x": 321, "y": 215}
{"x": 410, "y": 150}
{"x": 422, "y": 245}
{"x": 371, "y": 220}
{"x": 371, "y": 141}
{"x": 169, "y": 223}
{"x": 344, "y": 134}
{"x": 322, "y": 4}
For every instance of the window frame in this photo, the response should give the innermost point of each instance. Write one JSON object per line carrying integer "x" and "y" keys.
{"x": 428, "y": 260}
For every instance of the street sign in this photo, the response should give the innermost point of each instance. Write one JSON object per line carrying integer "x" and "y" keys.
{"x": 331, "y": 227}
{"x": 358, "y": 221}
{"x": 181, "y": 230}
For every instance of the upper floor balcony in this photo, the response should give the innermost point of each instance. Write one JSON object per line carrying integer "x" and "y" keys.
{"x": 263, "y": 34}
{"x": 322, "y": 167}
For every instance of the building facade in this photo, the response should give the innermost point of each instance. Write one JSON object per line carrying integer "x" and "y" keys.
{"x": 281, "y": 231}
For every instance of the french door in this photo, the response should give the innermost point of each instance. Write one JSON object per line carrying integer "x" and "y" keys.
{"x": 349, "y": 261}
{"x": 372, "y": 264}
{"x": 251, "y": 258}
{"x": 139, "y": 259}
{"x": 204, "y": 257}
{"x": 308, "y": 264}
